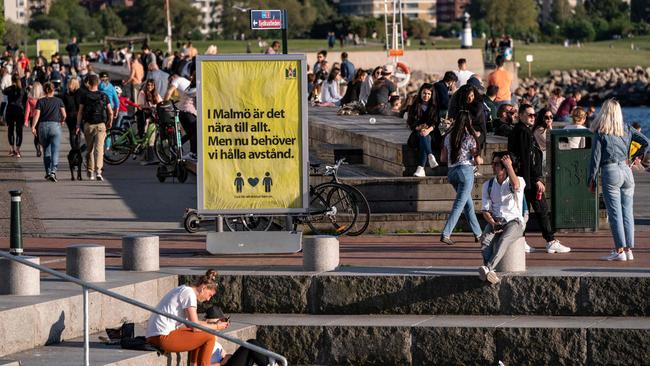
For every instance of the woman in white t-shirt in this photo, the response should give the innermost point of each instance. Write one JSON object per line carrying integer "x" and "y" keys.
{"x": 171, "y": 336}
{"x": 579, "y": 116}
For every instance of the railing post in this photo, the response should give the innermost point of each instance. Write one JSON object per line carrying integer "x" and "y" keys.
{"x": 86, "y": 329}
{"x": 16, "y": 234}
{"x": 219, "y": 223}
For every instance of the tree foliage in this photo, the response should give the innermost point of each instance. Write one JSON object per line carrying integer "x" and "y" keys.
{"x": 148, "y": 16}
{"x": 14, "y": 33}
{"x": 110, "y": 23}
{"x": 515, "y": 17}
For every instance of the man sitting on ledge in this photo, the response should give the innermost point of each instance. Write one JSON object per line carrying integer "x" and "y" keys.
{"x": 502, "y": 208}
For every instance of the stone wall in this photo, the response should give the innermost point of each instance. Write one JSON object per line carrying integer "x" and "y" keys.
{"x": 352, "y": 294}
{"x": 630, "y": 86}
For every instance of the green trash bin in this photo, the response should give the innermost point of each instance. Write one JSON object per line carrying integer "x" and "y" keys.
{"x": 573, "y": 206}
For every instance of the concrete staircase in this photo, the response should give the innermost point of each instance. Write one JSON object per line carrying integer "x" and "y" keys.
{"x": 445, "y": 316}
{"x": 48, "y": 329}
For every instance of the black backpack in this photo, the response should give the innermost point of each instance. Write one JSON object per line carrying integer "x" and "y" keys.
{"x": 95, "y": 107}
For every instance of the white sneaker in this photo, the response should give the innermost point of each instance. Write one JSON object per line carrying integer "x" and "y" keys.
{"x": 99, "y": 177}
{"x": 189, "y": 157}
{"x": 556, "y": 247}
{"x": 419, "y": 172}
{"x": 528, "y": 248}
{"x": 432, "y": 161}
{"x": 93, "y": 176}
{"x": 629, "y": 255}
{"x": 482, "y": 273}
{"x": 615, "y": 256}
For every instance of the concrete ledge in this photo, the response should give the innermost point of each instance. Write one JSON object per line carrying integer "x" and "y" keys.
{"x": 453, "y": 340}
{"x": 70, "y": 352}
{"x": 533, "y": 293}
{"x": 57, "y": 314}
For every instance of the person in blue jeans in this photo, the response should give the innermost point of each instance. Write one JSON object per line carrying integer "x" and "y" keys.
{"x": 460, "y": 151}
{"x": 610, "y": 156}
{"x": 423, "y": 121}
{"x": 48, "y": 119}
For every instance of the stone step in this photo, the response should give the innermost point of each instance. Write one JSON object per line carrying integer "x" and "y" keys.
{"x": 70, "y": 352}
{"x": 436, "y": 291}
{"x": 57, "y": 313}
{"x": 383, "y": 143}
{"x": 454, "y": 340}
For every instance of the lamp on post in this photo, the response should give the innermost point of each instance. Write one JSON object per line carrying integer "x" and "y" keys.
{"x": 529, "y": 59}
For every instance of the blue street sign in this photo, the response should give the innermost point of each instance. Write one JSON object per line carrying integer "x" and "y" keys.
{"x": 266, "y": 19}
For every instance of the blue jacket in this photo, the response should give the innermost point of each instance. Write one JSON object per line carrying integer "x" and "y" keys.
{"x": 347, "y": 71}
{"x": 109, "y": 90}
{"x": 609, "y": 149}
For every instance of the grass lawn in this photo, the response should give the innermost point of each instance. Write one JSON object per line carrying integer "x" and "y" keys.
{"x": 593, "y": 56}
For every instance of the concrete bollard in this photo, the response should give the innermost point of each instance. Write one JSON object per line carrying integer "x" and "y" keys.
{"x": 515, "y": 258}
{"x": 19, "y": 279}
{"x": 320, "y": 253}
{"x": 86, "y": 262}
{"x": 140, "y": 253}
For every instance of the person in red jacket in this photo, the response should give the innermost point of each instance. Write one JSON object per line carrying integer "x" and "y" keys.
{"x": 125, "y": 103}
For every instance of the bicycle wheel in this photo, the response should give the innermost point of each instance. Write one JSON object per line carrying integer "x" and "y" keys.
{"x": 332, "y": 209}
{"x": 120, "y": 148}
{"x": 363, "y": 219}
{"x": 248, "y": 222}
{"x": 165, "y": 146}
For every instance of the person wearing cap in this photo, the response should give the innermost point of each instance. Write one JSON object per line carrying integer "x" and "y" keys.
{"x": 382, "y": 90}
{"x": 107, "y": 88}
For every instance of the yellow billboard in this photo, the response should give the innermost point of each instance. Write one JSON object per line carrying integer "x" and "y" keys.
{"x": 47, "y": 47}
{"x": 252, "y": 134}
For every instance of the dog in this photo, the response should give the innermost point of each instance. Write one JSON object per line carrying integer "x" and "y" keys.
{"x": 75, "y": 159}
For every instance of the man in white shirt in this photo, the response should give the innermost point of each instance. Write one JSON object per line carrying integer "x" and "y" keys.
{"x": 502, "y": 209}
{"x": 187, "y": 106}
{"x": 462, "y": 73}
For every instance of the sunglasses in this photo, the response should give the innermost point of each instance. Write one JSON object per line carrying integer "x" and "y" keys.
{"x": 548, "y": 117}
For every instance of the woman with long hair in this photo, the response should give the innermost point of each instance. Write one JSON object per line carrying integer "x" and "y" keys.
{"x": 72, "y": 100}
{"x": 354, "y": 88}
{"x": 35, "y": 93}
{"x": 609, "y": 157}
{"x": 15, "y": 114}
{"x": 364, "y": 93}
{"x": 468, "y": 98}
{"x": 422, "y": 119}
{"x": 48, "y": 119}
{"x": 460, "y": 151}
{"x": 182, "y": 301}
{"x": 148, "y": 98}
{"x": 330, "y": 90}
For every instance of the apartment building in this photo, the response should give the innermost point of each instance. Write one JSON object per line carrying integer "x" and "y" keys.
{"x": 20, "y": 11}
{"x": 413, "y": 9}
{"x": 210, "y": 14}
{"x": 449, "y": 11}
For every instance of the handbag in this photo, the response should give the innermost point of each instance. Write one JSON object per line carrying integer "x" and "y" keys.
{"x": 445, "y": 124}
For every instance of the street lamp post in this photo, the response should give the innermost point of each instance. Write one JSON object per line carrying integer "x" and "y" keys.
{"x": 529, "y": 59}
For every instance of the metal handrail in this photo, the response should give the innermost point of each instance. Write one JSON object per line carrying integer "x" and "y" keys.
{"x": 273, "y": 357}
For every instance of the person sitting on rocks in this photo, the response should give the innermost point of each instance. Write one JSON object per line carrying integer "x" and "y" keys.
{"x": 503, "y": 197}
{"x": 567, "y": 105}
{"x": 382, "y": 90}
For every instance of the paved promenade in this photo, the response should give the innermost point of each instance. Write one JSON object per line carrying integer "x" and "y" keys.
{"x": 131, "y": 200}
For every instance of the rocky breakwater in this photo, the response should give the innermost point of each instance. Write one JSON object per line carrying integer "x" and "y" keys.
{"x": 631, "y": 86}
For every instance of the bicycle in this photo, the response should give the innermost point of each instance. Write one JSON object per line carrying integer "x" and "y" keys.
{"x": 124, "y": 142}
{"x": 334, "y": 208}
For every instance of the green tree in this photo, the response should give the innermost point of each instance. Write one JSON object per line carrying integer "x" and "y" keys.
{"x": 579, "y": 29}
{"x": 76, "y": 18}
{"x": 110, "y": 23}
{"x": 148, "y": 16}
{"x": 43, "y": 24}
{"x": 2, "y": 20}
{"x": 14, "y": 33}
{"x": 560, "y": 11}
{"x": 607, "y": 9}
{"x": 640, "y": 11}
{"x": 515, "y": 17}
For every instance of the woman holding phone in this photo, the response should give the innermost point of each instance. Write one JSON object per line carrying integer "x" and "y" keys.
{"x": 170, "y": 336}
